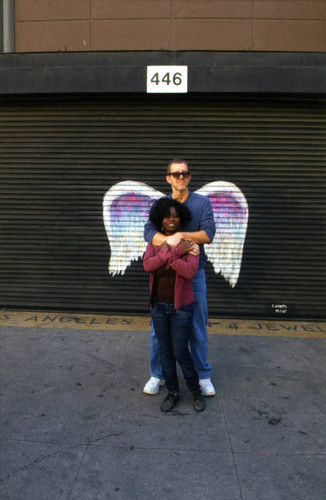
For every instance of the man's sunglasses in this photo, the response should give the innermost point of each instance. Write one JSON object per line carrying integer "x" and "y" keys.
{"x": 177, "y": 175}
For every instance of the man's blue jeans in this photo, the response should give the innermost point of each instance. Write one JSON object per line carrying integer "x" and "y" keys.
{"x": 172, "y": 329}
{"x": 198, "y": 336}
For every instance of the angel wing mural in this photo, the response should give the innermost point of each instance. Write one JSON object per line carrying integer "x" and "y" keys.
{"x": 126, "y": 206}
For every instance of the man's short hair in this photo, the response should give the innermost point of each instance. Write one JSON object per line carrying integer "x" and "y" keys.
{"x": 176, "y": 160}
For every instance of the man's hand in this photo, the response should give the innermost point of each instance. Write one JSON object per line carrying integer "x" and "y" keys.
{"x": 174, "y": 239}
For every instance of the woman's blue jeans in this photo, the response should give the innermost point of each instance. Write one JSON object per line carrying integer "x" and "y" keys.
{"x": 172, "y": 329}
{"x": 198, "y": 336}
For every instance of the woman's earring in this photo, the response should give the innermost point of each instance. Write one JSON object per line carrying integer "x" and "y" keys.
{"x": 162, "y": 229}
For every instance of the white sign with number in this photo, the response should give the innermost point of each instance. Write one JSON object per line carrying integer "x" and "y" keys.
{"x": 167, "y": 79}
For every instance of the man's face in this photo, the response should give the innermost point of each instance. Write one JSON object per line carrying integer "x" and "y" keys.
{"x": 178, "y": 183}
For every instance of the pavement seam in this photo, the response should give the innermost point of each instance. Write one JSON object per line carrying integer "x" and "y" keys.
{"x": 89, "y": 442}
{"x": 39, "y": 459}
{"x": 219, "y": 395}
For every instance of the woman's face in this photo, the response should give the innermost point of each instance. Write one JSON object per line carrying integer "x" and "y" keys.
{"x": 171, "y": 224}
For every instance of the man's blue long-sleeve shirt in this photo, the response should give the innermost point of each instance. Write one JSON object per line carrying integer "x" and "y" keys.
{"x": 202, "y": 219}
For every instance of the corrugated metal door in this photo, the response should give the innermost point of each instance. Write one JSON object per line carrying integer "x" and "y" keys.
{"x": 60, "y": 155}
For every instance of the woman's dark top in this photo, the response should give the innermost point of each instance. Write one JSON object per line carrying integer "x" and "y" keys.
{"x": 164, "y": 281}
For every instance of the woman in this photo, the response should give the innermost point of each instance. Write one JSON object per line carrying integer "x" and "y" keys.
{"x": 171, "y": 298}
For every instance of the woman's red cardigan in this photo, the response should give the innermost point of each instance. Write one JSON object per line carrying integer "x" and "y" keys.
{"x": 184, "y": 264}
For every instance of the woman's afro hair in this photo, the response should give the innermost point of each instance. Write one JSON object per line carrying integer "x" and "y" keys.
{"x": 161, "y": 209}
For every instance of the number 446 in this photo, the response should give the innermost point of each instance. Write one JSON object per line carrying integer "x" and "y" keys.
{"x": 176, "y": 79}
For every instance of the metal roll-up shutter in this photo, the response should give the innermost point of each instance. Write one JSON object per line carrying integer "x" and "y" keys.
{"x": 59, "y": 156}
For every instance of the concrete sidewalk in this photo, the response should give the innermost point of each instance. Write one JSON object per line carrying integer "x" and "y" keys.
{"x": 76, "y": 425}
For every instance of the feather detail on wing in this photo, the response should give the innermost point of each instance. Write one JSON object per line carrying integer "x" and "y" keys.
{"x": 231, "y": 219}
{"x": 126, "y": 206}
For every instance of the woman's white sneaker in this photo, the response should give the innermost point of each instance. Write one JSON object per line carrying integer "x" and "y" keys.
{"x": 206, "y": 386}
{"x": 153, "y": 385}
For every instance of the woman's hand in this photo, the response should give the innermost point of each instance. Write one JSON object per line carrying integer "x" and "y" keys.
{"x": 163, "y": 245}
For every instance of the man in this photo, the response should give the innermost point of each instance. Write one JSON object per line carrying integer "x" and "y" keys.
{"x": 201, "y": 230}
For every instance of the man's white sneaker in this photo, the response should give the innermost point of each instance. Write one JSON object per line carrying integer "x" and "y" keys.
{"x": 153, "y": 385}
{"x": 206, "y": 386}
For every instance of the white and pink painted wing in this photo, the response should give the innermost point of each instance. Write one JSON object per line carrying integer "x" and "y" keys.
{"x": 231, "y": 213}
{"x": 126, "y": 206}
